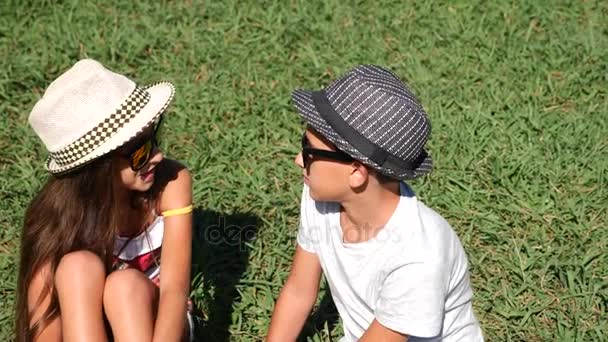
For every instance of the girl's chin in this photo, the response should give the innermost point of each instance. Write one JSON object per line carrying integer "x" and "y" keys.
{"x": 146, "y": 186}
{"x": 140, "y": 186}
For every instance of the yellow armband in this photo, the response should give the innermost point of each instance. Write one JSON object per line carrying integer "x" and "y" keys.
{"x": 179, "y": 211}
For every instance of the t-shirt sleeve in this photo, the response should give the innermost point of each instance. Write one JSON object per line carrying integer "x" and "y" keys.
{"x": 412, "y": 299}
{"x": 306, "y": 233}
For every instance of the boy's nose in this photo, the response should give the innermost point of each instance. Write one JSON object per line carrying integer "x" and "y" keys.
{"x": 299, "y": 160}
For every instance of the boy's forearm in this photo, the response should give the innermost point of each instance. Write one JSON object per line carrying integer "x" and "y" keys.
{"x": 290, "y": 313}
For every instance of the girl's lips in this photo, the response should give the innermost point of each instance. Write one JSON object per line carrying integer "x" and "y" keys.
{"x": 148, "y": 175}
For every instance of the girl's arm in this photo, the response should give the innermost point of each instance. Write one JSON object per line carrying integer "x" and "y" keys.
{"x": 175, "y": 260}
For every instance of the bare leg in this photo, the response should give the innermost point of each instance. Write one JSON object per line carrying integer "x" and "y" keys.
{"x": 130, "y": 301}
{"x": 80, "y": 280}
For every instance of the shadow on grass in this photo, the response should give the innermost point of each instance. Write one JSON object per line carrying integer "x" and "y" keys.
{"x": 219, "y": 257}
{"x": 325, "y": 317}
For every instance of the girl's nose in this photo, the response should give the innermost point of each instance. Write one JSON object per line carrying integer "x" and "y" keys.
{"x": 157, "y": 156}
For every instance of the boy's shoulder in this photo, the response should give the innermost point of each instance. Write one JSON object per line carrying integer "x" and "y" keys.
{"x": 431, "y": 220}
{"x": 425, "y": 236}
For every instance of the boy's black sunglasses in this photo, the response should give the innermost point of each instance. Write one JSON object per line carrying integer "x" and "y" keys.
{"x": 141, "y": 153}
{"x": 308, "y": 153}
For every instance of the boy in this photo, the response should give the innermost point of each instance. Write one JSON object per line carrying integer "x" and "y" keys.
{"x": 395, "y": 268}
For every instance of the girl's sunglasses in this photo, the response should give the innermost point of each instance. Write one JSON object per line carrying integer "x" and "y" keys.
{"x": 308, "y": 153}
{"x": 140, "y": 154}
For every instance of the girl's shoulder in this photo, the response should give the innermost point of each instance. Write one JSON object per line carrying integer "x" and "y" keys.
{"x": 173, "y": 185}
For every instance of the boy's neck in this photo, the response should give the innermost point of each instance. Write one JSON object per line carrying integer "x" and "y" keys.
{"x": 364, "y": 214}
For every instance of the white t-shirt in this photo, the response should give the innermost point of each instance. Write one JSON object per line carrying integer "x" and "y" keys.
{"x": 412, "y": 276}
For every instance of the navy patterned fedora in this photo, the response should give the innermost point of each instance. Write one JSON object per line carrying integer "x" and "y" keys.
{"x": 373, "y": 116}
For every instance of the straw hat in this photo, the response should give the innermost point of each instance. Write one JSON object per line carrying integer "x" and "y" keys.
{"x": 90, "y": 111}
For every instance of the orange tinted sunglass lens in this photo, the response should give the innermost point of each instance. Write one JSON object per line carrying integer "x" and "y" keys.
{"x": 140, "y": 157}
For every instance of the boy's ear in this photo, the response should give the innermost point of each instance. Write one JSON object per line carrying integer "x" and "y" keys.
{"x": 359, "y": 175}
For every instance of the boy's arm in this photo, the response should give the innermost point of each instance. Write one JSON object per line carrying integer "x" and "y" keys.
{"x": 378, "y": 332}
{"x": 297, "y": 297}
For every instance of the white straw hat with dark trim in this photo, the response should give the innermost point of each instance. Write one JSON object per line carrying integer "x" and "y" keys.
{"x": 373, "y": 116}
{"x": 89, "y": 111}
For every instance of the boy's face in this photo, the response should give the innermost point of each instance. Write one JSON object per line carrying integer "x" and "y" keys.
{"x": 327, "y": 178}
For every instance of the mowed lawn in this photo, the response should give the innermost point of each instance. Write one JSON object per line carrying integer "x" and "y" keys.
{"x": 516, "y": 93}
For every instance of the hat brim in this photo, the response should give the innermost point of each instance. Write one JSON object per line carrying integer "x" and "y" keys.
{"x": 161, "y": 95}
{"x": 303, "y": 102}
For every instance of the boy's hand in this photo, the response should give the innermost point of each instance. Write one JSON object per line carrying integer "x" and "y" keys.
{"x": 297, "y": 297}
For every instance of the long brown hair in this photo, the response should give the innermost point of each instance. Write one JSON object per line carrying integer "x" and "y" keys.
{"x": 76, "y": 211}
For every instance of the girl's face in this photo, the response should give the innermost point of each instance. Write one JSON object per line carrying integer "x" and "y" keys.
{"x": 136, "y": 162}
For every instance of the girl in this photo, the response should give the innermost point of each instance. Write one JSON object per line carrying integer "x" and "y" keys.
{"x": 91, "y": 241}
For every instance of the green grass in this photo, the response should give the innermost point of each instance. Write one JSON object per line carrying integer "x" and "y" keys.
{"x": 516, "y": 93}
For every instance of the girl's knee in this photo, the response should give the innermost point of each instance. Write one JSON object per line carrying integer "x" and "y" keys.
{"x": 128, "y": 286}
{"x": 80, "y": 266}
